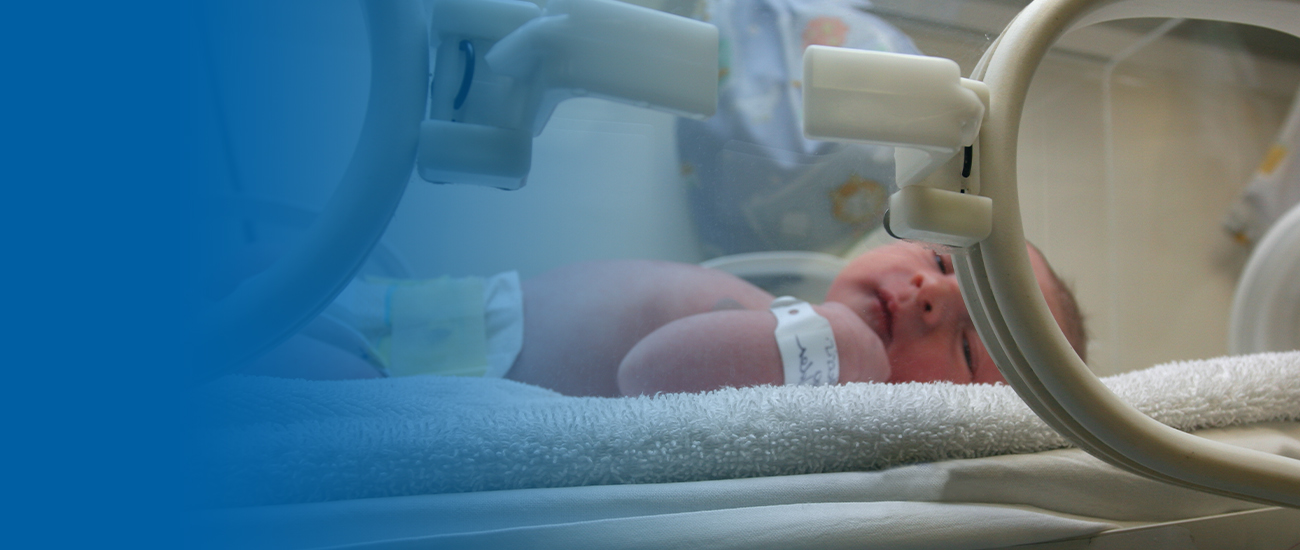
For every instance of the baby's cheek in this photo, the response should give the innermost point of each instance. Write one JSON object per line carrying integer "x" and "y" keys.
{"x": 988, "y": 372}
{"x": 907, "y": 367}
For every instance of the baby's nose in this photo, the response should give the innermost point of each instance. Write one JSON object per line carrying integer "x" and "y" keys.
{"x": 935, "y": 297}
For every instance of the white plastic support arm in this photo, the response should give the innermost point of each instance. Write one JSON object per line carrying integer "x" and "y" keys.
{"x": 930, "y": 115}
{"x": 918, "y": 104}
{"x": 939, "y": 216}
{"x": 504, "y": 65}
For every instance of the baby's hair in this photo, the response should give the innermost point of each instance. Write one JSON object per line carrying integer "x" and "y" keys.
{"x": 1072, "y": 321}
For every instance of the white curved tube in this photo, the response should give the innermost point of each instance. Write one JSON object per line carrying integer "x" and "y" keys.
{"x": 1010, "y": 312}
{"x": 273, "y": 305}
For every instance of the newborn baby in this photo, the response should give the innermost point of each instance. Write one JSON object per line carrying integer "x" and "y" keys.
{"x": 642, "y": 327}
{"x": 636, "y": 327}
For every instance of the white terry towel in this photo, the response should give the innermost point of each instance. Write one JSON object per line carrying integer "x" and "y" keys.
{"x": 275, "y": 441}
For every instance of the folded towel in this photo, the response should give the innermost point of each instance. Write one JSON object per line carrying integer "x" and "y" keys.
{"x": 274, "y": 441}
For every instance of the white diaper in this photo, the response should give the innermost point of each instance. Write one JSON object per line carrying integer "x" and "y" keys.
{"x": 467, "y": 326}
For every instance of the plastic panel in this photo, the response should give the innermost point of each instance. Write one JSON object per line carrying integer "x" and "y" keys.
{"x": 271, "y": 306}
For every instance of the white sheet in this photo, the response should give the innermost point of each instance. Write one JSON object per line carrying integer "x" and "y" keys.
{"x": 974, "y": 503}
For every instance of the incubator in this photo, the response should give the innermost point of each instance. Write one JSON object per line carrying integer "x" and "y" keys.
{"x": 1114, "y": 135}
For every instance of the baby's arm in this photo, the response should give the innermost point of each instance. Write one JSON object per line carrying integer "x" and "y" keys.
{"x": 737, "y": 348}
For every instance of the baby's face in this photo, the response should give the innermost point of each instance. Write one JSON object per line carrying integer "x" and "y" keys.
{"x": 908, "y": 295}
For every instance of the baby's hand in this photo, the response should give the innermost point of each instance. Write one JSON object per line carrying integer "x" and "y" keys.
{"x": 862, "y": 352}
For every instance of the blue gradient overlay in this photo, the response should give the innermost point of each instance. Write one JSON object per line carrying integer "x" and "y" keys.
{"x": 101, "y": 156}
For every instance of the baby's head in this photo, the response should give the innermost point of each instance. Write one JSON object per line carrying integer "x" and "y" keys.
{"x": 908, "y": 295}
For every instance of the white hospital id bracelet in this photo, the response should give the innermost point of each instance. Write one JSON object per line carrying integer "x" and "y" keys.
{"x": 806, "y": 342}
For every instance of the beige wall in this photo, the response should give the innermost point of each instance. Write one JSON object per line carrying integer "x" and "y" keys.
{"x": 1127, "y": 201}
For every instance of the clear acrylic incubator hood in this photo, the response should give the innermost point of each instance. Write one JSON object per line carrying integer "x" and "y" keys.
{"x": 501, "y": 69}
